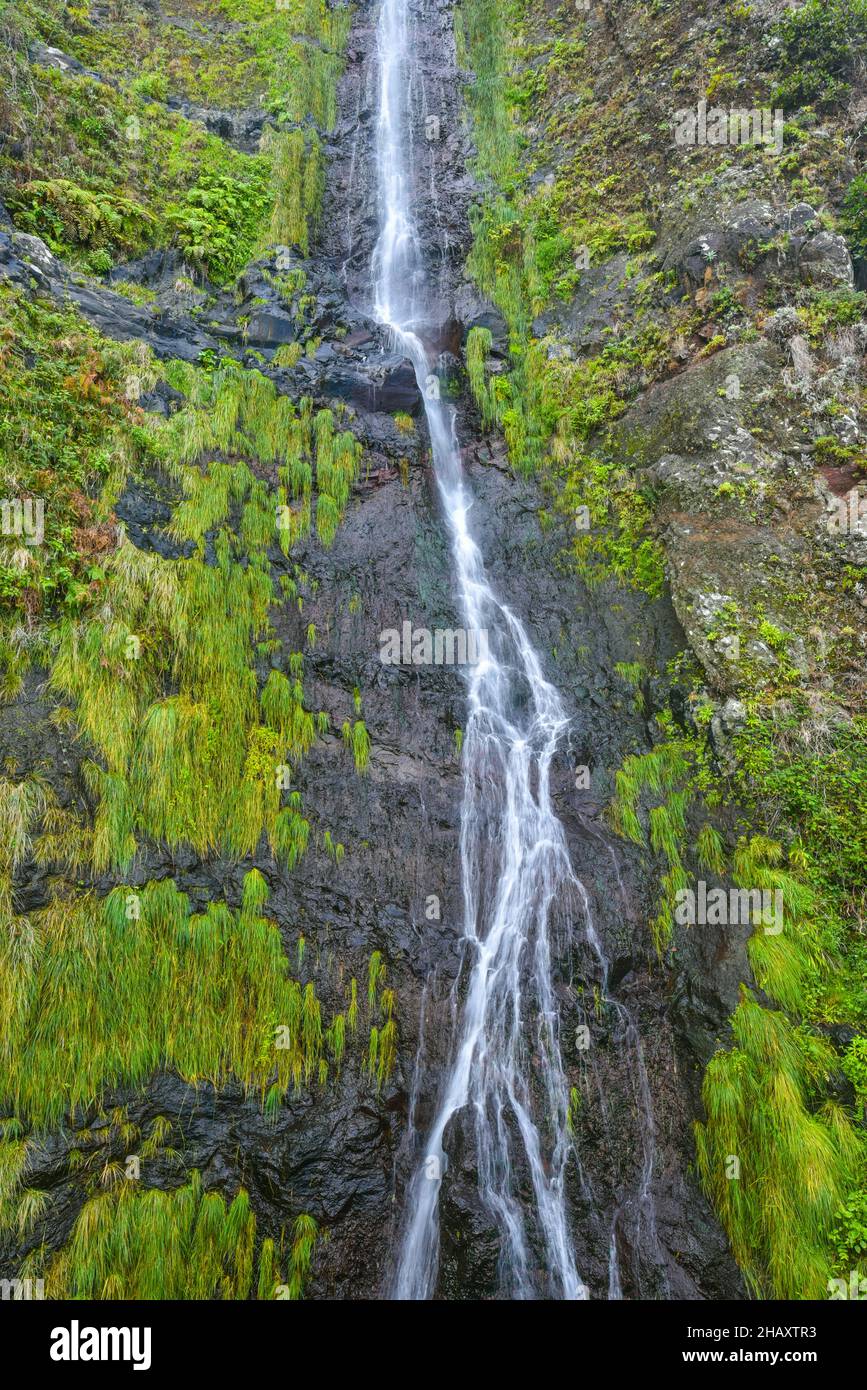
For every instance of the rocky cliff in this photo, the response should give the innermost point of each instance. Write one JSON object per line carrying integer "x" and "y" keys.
{"x": 232, "y": 949}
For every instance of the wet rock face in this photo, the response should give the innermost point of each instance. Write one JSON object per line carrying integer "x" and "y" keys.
{"x": 438, "y": 150}
{"x": 580, "y": 637}
{"x": 344, "y": 1152}
{"x": 243, "y": 129}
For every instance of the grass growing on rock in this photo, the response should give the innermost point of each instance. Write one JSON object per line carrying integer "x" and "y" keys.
{"x": 779, "y": 1158}
{"x": 208, "y": 763}
{"x": 139, "y": 982}
{"x": 185, "y": 1244}
{"x": 109, "y": 171}
{"x": 795, "y": 1163}
{"x": 581, "y": 171}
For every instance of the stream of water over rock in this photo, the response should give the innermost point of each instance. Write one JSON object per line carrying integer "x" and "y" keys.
{"x": 518, "y": 884}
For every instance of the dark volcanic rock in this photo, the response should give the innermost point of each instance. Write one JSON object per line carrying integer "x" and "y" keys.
{"x": 343, "y": 1152}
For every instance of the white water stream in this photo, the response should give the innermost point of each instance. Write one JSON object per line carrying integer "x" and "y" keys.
{"x": 506, "y": 1071}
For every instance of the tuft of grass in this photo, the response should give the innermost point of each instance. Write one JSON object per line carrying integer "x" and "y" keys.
{"x": 710, "y": 850}
{"x": 376, "y": 976}
{"x": 357, "y": 740}
{"x": 305, "y": 1234}
{"x": 479, "y": 343}
{"x": 776, "y": 1170}
{"x": 187, "y": 1244}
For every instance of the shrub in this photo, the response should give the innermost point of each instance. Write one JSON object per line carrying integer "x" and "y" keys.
{"x": 218, "y": 222}
{"x": 854, "y": 216}
{"x": 822, "y": 45}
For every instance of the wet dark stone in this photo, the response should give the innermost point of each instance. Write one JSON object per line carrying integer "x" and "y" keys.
{"x": 343, "y": 1152}
{"x": 387, "y": 385}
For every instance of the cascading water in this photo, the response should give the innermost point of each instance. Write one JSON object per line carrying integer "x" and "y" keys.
{"x": 519, "y": 888}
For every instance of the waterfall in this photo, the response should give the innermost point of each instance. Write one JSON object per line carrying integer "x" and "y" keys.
{"x": 518, "y": 885}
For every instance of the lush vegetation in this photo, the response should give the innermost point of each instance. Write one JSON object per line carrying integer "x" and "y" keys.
{"x": 106, "y": 170}
{"x": 66, "y": 430}
{"x": 531, "y": 246}
{"x": 162, "y": 665}
{"x": 191, "y": 719}
{"x": 183, "y": 1244}
{"x": 578, "y": 184}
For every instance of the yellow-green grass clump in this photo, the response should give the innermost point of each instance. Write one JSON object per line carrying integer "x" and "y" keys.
{"x": 776, "y": 1167}
{"x": 137, "y": 982}
{"x": 186, "y": 1244}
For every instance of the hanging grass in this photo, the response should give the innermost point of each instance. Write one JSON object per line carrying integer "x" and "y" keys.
{"x": 332, "y": 848}
{"x": 298, "y": 178}
{"x": 187, "y": 1244}
{"x": 387, "y": 1052}
{"x": 305, "y": 1234}
{"x": 209, "y": 498}
{"x": 113, "y": 842}
{"x": 338, "y": 456}
{"x": 776, "y": 1172}
{"x": 288, "y": 355}
{"x": 13, "y": 1167}
{"x": 22, "y": 804}
{"x": 138, "y": 982}
{"x": 376, "y": 976}
{"x": 352, "y": 1010}
{"x": 665, "y": 831}
{"x": 479, "y": 343}
{"x": 357, "y": 740}
{"x": 787, "y": 964}
{"x": 657, "y": 772}
{"x": 282, "y": 704}
{"x": 775, "y": 1161}
{"x": 291, "y": 836}
{"x": 194, "y": 767}
{"x": 710, "y": 850}
{"x": 336, "y": 1039}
